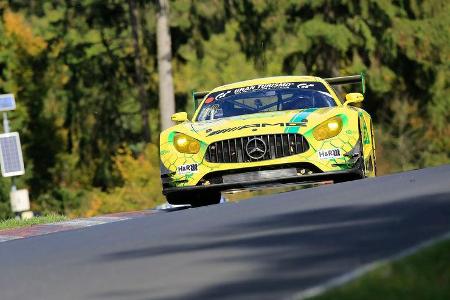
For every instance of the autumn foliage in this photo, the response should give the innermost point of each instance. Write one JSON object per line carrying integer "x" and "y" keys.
{"x": 71, "y": 65}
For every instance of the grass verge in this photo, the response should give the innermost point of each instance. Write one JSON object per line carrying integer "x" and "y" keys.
{"x": 423, "y": 275}
{"x": 13, "y": 223}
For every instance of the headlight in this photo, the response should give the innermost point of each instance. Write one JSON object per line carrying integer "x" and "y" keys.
{"x": 186, "y": 144}
{"x": 328, "y": 129}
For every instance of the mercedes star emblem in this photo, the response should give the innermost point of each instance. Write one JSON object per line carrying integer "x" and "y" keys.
{"x": 256, "y": 148}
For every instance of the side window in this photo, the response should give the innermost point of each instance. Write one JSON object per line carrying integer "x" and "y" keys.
{"x": 340, "y": 96}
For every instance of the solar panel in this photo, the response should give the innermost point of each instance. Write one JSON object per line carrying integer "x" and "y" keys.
{"x": 11, "y": 155}
{"x": 7, "y": 102}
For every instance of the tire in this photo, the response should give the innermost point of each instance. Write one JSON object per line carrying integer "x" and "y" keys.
{"x": 360, "y": 172}
{"x": 362, "y": 167}
{"x": 374, "y": 155}
{"x": 195, "y": 199}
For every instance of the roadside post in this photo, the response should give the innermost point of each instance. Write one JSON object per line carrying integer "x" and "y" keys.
{"x": 11, "y": 160}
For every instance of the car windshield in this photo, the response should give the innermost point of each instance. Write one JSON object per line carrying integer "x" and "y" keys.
{"x": 265, "y": 98}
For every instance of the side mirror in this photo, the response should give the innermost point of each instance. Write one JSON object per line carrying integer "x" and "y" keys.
{"x": 180, "y": 117}
{"x": 353, "y": 98}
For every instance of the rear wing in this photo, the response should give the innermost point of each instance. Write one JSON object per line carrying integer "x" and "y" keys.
{"x": 196, "y": 96}
{"x": 361, "y": 78}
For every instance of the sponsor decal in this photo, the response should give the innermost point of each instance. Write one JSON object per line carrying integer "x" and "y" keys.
{"x": 185, "y": 169}
{"x": 222, "y": 95}
{"x": 329, "y": 154}
{"x": 302, "y": 123}
{"x": 251, "y": 88}
{"x": 305, "y": 85}
{"x": 267, "y": 86}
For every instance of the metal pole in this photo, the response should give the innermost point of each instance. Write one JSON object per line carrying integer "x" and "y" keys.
{"x": 6, "y": 130}
{"x": 5, "y": 122}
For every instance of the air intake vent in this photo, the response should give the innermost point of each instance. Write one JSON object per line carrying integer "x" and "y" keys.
{"x": 256, "y": 148}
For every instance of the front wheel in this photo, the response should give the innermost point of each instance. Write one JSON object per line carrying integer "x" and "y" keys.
{"x": 195, "y": 199}
{"x": 362, "y": 168}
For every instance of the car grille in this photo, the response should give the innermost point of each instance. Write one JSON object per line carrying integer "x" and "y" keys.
{"x": 277, "y": 145}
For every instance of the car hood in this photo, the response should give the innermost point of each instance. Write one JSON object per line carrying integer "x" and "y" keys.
{"x": 294, "y": 121}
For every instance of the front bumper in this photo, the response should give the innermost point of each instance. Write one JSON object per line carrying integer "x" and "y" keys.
{"x": 347, "y": 174}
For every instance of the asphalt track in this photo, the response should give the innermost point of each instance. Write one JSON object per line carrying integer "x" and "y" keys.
{"x": 265, "y": 248}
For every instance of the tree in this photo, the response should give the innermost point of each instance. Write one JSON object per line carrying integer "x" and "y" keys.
{"x": 164, "y": 45}
{"x": 85, "y": 74}
{"x": 139, "y": 70}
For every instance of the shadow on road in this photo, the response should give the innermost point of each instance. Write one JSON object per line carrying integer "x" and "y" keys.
{"x": 290, "y": 251}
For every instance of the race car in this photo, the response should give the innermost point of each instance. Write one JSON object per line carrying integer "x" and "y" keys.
{"x": 275, "y": 130}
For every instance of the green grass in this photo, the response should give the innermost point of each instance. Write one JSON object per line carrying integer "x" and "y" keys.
{"x": 13, "y": 223}
{"x": 423, "y": 275}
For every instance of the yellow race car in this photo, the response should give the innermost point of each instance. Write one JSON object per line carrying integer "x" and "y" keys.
{"x": 269, "y": 130}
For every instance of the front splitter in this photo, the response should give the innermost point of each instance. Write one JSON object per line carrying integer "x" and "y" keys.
{"x": 335, "y": 175}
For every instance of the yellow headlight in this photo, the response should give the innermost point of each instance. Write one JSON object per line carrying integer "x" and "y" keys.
{"x": 328, "y": 129}
{"x": 186, "y": 144}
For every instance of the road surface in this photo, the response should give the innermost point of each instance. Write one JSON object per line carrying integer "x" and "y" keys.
{"x": 269, "y": 247}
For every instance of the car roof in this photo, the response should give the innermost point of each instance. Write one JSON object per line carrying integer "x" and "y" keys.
{"x": 265, "y": 80}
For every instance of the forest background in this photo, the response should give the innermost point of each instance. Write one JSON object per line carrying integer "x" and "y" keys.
{"x": 90, "y": 138}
